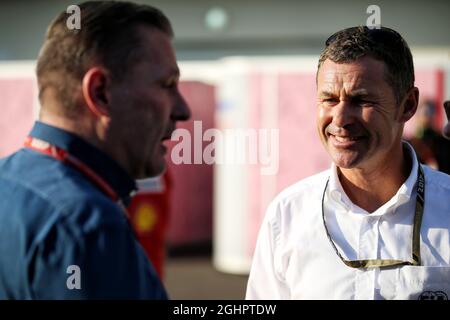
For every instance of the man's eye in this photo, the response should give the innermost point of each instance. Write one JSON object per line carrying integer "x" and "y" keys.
{"x": 362, "y": 102}
{"x": 330, "y": 101}
{"x": 169, "y": 84}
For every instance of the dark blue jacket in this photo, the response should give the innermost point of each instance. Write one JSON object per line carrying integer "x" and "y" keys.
{"x": 53, "y": 218}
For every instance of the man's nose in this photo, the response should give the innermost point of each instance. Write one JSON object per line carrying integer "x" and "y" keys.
{"x": 343, "y": 114}
{"x": 181, "y": 110}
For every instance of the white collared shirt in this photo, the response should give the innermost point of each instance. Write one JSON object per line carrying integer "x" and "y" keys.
{"x": 295, "y": 260}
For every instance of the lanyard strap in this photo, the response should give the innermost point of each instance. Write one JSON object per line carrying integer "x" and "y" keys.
{"x": 418, "y": 214}
{"x": 65, "y": 157}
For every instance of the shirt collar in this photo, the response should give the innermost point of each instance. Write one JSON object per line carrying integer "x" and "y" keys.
{"x": 403, "y": 194}
{"x": 101, "y": 163}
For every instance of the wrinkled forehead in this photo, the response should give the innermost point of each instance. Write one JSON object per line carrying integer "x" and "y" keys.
{"x": 356, "y": 75}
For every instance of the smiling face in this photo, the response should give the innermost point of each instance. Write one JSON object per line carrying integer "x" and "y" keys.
{"x": 359, "y": 120}
{"x": 145, "y": 106}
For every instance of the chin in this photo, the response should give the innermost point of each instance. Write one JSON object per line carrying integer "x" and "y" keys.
{"x": 344, "y": 165}
{"x": 155, "y": 169}
{"x": 345, "y": 162}
{"x": 151, "y": 170}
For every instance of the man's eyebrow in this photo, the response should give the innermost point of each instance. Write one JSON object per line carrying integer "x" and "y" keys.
{"x": 354, "y": 94}
{"x": 326, "y": 94}
{"x": 358, "y": 93}
{"x": 170, "y": 75}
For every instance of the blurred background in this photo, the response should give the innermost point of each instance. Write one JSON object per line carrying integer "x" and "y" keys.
{"x": 245, "y": 65}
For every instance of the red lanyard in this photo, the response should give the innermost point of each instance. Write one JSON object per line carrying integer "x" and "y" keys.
{"x": 65, "y": 157}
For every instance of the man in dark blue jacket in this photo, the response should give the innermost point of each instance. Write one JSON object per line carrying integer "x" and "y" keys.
{"x": 109, "y": 98}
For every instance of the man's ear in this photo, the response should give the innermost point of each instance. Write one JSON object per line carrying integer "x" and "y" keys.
{"x": 95, "y": 91}
{"x": 409, "y": 103}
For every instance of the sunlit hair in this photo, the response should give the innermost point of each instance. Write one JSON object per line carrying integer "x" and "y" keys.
{"x": 108, "y": 37}
{"x": 383, "y": 44}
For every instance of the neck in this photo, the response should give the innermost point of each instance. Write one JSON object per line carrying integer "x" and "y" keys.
{"x": 82, "y": 128}
{"x": 370, "y": 188}
{"x": 93, "y": 131}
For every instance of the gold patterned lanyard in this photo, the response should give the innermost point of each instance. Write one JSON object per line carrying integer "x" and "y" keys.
{"x": 420, "y": 200}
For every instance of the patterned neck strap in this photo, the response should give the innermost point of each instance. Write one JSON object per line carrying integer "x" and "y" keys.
{"x": 420, "y": 201}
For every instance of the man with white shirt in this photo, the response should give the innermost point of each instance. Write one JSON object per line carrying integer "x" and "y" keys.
{"x": 376, "y": 225}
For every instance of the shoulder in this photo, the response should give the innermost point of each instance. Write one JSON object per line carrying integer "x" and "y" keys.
{"x": 437, "y": 195}
{"x": 45, "y": 187}
{"x": 297, "y": 199}
{"x": 52, "y": 217}
{"x": 437, "y": 180}
{"x": 302, "y": 189}
{"x": 40, "y": 196}
{"x": 304, "y": 186}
